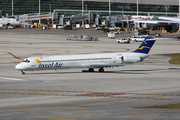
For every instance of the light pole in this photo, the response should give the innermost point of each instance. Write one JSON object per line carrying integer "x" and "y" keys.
{"x": 109, "y": 7}
{"x": 39, "y": 12}
{"x": 109, "y": 12}
{"x": 166, "y": 10}
{"x": 12, "y": 8}
{"x": 122, "y": 18}
{"x": 179, "y": 8}
{"x": 50, "y": 8}
{"x": 122, "y": 11}
{"x": 82, "y": 7}
{"x": 86, "y": 8}
{"x": 137, "y": 8}
{"x": 50, "y": 13}
{"x": 82, "y": 12}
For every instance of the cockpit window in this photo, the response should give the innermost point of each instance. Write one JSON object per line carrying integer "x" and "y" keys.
{"x": 26, "y": 60}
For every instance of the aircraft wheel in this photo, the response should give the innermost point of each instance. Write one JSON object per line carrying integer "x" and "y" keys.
{"x": 91, "y": 70}
{"x": 101, "y": 70}
{"x": 23, "y": 73}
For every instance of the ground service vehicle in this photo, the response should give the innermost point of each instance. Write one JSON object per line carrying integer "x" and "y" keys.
{"x": 123, "y": 40}
{"x": 137, "y": 38}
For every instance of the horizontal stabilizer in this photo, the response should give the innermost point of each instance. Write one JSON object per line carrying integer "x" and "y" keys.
{"x": 147, "y": 44}
{"x": 158, "y": 39}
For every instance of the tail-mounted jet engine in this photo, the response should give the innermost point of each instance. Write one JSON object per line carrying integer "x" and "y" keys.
{"x": 130, "y": 59}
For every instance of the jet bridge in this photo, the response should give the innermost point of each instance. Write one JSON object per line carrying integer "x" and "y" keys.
{"x": 100, "y": 20}
{"x": 74, "y": 19}
{"x": 34, "y": 17}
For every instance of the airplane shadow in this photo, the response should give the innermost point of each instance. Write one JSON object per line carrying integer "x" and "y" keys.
{"x": 106, "y": 71}
{"x": 45, "y": 73}
{"x": 133, "y": 71}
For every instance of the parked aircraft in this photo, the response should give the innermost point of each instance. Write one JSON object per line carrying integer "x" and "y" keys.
{"x": 90, "y": 61}
{"x": 176, "y": 19}
{"x": 171, "y": 24}
{"x": 9, "y": 21}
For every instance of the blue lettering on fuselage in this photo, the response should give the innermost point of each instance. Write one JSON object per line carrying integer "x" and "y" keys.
{"x": 52, "y": 65}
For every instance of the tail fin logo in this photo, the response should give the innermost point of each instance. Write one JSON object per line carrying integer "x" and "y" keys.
{"x": 146, "y": 45}
{"x": 142, "y": 47}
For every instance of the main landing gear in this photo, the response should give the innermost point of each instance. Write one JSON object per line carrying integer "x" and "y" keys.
{"x": 92, "y": 70}
{"x": 101, "y": 70}
{"x": 23, "y": 73}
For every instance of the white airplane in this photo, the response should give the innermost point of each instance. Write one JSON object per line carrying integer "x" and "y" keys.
{"x": 9, "y": 21}
{"x": 90, "y": 61}
{"x": 171, "y": 24}
{"x": 175, "y": 19}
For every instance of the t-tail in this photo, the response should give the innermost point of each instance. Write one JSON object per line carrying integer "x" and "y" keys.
{"x": 146, "y": 45}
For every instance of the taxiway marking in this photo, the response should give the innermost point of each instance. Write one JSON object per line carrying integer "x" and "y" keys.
{"x": 15, "y": 79}
{"x": 66, "y": 107}
{"x": 43, "y": 109}
{"x": 36, "y": 100}
{"x": 87, "y": 96}
{"x": 156, "y": 89}
{"x": 60, "y": 116}
{"x": 94, "y": 93}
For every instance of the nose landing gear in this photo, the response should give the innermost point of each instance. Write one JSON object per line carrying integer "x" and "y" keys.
{"x": 23, "y": 73}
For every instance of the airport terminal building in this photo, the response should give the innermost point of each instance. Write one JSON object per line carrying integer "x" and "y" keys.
{"x": 145, "y": 7}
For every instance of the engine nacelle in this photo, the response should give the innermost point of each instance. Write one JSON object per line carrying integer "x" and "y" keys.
{"x": 130, "y": 59}
{"x": 172, "y": 28}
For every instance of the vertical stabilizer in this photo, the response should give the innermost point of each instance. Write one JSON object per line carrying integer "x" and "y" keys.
{"x": 146, "y": 45}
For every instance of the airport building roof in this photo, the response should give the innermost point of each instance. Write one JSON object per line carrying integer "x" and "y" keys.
{"x": 152, "y": 2}
{"x": 128, "y": 6}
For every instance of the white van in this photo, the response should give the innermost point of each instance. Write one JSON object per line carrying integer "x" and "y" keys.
{"x": 137, "y": 38}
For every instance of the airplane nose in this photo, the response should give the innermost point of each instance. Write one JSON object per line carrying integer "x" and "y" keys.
{"x": 19, "y": 67}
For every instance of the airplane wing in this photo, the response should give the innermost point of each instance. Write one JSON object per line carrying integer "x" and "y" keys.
{"x": 99, "y": 65}
{"x": 146, "y": 21}
{"x": 168, "y": 22}
{"x": 105, "y": 65}
{"x": 156, "y": 21}
{"x": 177, "y": 19}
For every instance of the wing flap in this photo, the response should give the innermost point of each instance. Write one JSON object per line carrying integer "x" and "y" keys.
{"x": 99, "y": 65}
{"x": 105, "y": 65}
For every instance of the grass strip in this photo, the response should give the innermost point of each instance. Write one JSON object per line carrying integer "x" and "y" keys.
{"x": 169, "y": 106}
{"x": 175, "y": 58}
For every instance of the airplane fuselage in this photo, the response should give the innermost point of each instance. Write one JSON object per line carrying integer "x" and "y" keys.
{"x": 79, "y": 61}
{"x": 9, "y": 21}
